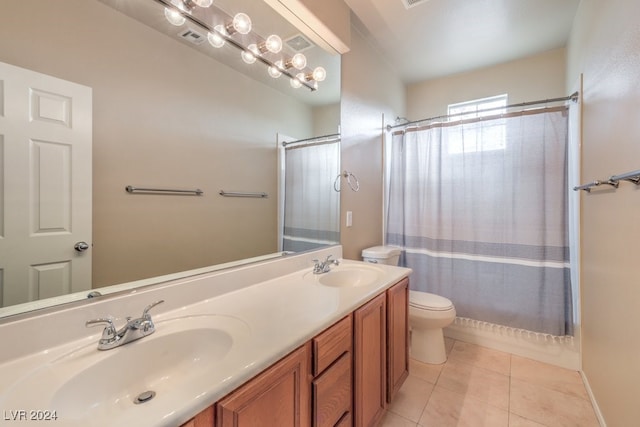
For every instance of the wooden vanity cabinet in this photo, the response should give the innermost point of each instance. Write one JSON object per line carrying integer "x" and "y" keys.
{"x": 332, "y": 384}
{"x": 279, "y": 396}
{"x": 397, "y": 337}
{"x": 370, "y": 358}
{"x": 203, "y": 419}
{"x": 343, "y": 377}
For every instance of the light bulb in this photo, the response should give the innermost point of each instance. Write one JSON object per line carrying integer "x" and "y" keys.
{"x": 215, "y": 38}
{"x": 241, "y": 24}
{"x": 274, "y": 71}
{"x": 299, "y": 61}
{"x": 319, "y": 74}
{"x": 295, "y": 83}
{"x": 203, "y": 3}
{"x": 249, "y": 55}
{"x": 174, "y": 17}
{"x": 272, "y": 44}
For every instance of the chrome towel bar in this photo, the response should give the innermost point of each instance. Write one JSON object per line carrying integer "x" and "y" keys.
{"x": 132, "y": 189}
{"x": 256, "y": 195}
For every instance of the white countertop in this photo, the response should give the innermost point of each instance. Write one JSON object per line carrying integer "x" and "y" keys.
{"x": 280, "y": 314}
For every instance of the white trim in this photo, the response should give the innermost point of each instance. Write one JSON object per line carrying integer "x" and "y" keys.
{"x": 594, "y": 403}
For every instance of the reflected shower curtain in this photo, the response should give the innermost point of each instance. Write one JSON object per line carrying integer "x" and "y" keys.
{"x": 480, "y": 209}
{"x": 311, "y": 205}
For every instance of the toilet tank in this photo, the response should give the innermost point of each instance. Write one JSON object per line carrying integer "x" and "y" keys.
{"x": 382, "y": 255}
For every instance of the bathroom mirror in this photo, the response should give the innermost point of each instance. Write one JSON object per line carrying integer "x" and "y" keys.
{"x": 168, "y": 114}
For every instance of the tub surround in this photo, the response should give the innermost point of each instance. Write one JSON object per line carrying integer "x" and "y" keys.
{"x": 280, "y": 302}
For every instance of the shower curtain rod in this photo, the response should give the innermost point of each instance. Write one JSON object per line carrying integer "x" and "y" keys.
{"x": 573, "y": 97}
{"x": 334, "y": 137}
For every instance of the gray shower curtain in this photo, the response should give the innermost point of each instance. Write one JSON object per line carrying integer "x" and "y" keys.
{"x": 479, "y": 208}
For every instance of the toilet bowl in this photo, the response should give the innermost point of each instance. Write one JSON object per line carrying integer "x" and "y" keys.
{"x": 428, "y": 313}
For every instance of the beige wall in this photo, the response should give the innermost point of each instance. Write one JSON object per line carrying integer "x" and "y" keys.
{"x": 166, "y": 116}
{"x": 369, "y": 90}
{"x": 605, "y": 46}
{"x": 326, "y": 119}
{"x": 528, "y": 79}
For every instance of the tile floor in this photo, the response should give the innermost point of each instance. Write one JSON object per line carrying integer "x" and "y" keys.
{"x": 478, "y": 386}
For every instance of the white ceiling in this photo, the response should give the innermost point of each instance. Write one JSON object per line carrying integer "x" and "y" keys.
{"x": 441, "y": 37}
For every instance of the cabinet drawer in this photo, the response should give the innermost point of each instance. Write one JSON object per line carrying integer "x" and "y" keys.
{"x": 332, "y": 393}
{"x": 331, "y": 344}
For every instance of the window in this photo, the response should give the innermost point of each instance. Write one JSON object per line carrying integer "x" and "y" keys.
{"x": 478, "y": 136}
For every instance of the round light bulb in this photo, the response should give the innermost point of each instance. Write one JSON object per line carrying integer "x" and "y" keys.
{"x": 174, "y": 17}
{"x": 273, "y": 43}
{"x": 203, "y": 3}
{"x": 319, "y": 74}
{"x": 215, "y": 39}
{"x": 249, "y": 55}
{"x": 242, "y": 23}
{"x": 299, "y": 61}
{"x": 295, "y": 83}
{"x": 274, "y": 70}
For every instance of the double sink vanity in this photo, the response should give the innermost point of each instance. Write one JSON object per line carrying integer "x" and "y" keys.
{"x": 271, "y": 343}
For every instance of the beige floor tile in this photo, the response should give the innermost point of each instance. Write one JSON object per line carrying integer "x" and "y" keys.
{"x": 549, "y": 376}
{"x": 393, "y": 420}
{"x": 449, "y": 409}
{"x": 477, "y": 382}
{"x": 425, "y": 371}
{"x": 411, "y": 398}
{"x": 487, "y": 358}
{"x": 549, "y": 407}
{"x": 518, "y": 421}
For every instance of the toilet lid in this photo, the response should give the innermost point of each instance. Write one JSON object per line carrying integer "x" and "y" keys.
{"x": 429, "y": 301}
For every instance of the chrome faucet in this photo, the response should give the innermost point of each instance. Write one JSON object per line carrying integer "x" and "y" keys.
{"x": 133, "y": 330}
{"x": 324, "y": 266}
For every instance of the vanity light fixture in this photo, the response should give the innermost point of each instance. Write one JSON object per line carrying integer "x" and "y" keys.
{"x": 249, "y": 55}
{"x": 298, "y": 61}
{"x": 174, "y": 16}
{"x": 272, "y": 44}
{"x": 252, "y": 46}
{"x": 216, "y": 38}
{"x": 241, "y": 24}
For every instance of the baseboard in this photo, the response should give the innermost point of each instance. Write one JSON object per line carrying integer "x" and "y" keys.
{"x": 559, "y": 351}
{"x": 594, "y": 403}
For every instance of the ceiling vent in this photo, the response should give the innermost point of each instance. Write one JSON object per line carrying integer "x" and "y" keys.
{"x": 192, "y": 36}
{"x": 412, "y": 3}
{"x": 299, "y": 43}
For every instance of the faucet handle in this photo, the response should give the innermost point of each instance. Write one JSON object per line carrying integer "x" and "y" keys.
{"x": 109, "y": 331}
{"x": 145, "y": 312}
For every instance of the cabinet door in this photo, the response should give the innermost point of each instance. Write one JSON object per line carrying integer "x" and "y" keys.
{"x": 370, "y": 351}
{"x": 280, "y": 396}
{"x": 397, "y": 337}
{"x": 332, "y": 393}
{"x": 203, "y": 419}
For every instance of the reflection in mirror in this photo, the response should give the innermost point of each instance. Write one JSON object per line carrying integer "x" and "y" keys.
{"x": 311, "y": 201}
{"x": 163, "y": 113}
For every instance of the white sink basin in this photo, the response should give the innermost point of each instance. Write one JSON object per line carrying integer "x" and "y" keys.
{"x": 88, "y": 384}
{"x": 348, "y": 275}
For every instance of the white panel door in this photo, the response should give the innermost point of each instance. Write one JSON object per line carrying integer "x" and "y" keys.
{"x": 45, "y": 185}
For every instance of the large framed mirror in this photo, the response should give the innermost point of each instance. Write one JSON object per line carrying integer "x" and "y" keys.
{"x": 167, "y": 114}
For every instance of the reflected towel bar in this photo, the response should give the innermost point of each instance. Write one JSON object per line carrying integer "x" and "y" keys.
{"x": 242, "y": 194}
{"x": 629, "y": 176}
{"x": 132, "y": 189}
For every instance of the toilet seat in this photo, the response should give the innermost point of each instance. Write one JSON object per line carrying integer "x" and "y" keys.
{"x": 427, "y": 301}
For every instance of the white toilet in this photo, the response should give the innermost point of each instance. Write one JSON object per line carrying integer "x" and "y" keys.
{"x": 428, "y": 313}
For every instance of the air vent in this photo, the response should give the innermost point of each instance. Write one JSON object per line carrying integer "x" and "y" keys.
{"x": 412, "y": 3}
{"x": 299, "y": 43}
{"x": 192, "y": 36}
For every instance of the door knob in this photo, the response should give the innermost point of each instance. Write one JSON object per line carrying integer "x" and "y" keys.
{"x": 81, "y": 246}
